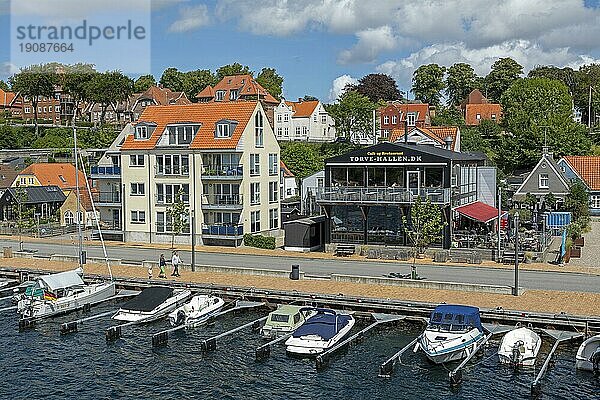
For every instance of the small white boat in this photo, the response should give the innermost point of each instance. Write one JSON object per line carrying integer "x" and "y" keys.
{"x": 588, "y": 355}
{"x": 151, "y": 304}
{"x": 453, "y": 333}
{"x": 285, "y": 319}
{"x": 196, "y": 311}
{"x": 319, "y": 333}
{"x": 519, "y": 347}
{"x": 55, "y": 294}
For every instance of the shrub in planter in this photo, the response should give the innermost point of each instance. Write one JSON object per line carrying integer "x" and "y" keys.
{"x": 259, "y": 241}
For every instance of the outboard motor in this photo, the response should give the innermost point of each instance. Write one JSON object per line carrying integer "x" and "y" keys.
{"x": 516, "y": 353}
{"x": 595, "y": 359}
{"x": 180, "y": 318}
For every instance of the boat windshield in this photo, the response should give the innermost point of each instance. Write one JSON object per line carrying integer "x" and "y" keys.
{"x": 453, "y": 319}
{"x": 279, "y": 318}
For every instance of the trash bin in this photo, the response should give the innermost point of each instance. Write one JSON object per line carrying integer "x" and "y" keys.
{"x": 8, "y": 252}
{"x": 295, "y": 274}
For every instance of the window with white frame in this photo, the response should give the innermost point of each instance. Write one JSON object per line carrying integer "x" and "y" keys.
{"x": 138, "y": 217}
{"x": 27, "y": 110}
{"x": 169, "y": 193}
{"x": 286, "y": 117}
{"x": 141, "y": 132}
{"x": 164, "y": 223}
{"x": 223, "y": 130}
{"x": 273, "y": 164}
{"x": 136, "y": 160}
{"x": 298, "y": 131}
{"x": 493, "y": 117}
{"x": 255, "y": 221}
{"x": 279, "y": 131}
{"x": 172, "y": 164}
{"x": 69, "y": 219}
{"x": 323, "y": 118}
{"x": 273, "y": 191}
{"x": 543, "y": 181}
{"x": 274, "y": 219}
{"x": 305, "y": 130}
{"x": 182, "y": 134}
{"x": 254, "y": 164}
{"x": 478, "y": 116}
{"x": 286, "y": 131}
{"x": 255, "y": 193}
{"x": 137, "y": 189}
{"x": 233, "y": 94}
{"x": 386, "y": 119}
{"x": 595, "y": 201}
{"x": 279, "y": 118}
{"x": 315, "y": 118}
{"x": 258, "y": 129}
{"x": 219, "y": 95}
{"x": 57, "y": 108}
{"x": 394, "y": 119}
{"x": 411, "y": 119}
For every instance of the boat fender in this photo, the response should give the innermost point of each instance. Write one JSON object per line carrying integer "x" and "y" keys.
{"x": 416, "y": 348}
{"x": 595, "y": 358}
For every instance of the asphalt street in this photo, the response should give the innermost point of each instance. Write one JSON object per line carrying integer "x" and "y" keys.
{"x": 467, "y": 274}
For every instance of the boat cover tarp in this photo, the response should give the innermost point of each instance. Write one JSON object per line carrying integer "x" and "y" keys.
{"x": 323, "y": 325}
{"x": 61, "y": 280}
{"x": 149, "y": 299}
{"x": 456, "y": 315}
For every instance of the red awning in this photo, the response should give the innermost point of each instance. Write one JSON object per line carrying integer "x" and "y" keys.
{"x": 478, "y": 211}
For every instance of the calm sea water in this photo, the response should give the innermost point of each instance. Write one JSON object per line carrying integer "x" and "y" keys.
{"x": 42, "y": 364}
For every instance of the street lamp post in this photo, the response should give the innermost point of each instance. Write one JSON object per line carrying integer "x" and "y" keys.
{"x": 498, "y": 258}
{"x": 193, "y": 241}
{"x": 516, "y": 288}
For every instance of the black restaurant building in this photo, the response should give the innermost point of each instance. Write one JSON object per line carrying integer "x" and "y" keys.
{"x": 368, "y": 191}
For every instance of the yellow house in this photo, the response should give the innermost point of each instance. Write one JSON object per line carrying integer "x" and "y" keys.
{"x": 50, "y": 174}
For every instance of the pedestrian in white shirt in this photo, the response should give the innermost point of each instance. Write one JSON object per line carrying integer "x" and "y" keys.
{"x": 175, "y": 261}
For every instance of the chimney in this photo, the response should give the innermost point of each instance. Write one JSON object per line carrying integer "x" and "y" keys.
{"x": 448, "y": 142}
{"x": 299, "y": 99}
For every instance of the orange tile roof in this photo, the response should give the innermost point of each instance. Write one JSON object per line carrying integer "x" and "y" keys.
{"x": 206, "y": 114}
{"x": 302, "y": 109}
{"x": 484, "y": 110}
{"x": 421, "y": 108}
{"x": 588, "y": 168}
{"x": 244, "y": 84}
{"x": 55, "y": 174}
{"x": 286, "y": 171}
{"x": 437, "y": 133}
{"x": 207, "y": 92}
{"x": 9, "y": 96}
{"x": 164, "y": 96}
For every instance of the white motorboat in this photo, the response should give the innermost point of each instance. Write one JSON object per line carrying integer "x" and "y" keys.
{"x": 588, "y": 355}
{"x": 519, "y": 347}
{"x": 196, "y": 311}
{"x": 284, "y": 320}
{"x": 319, "y": 333}
{"x": 453, "y": 333}
{"x": 60, "y": 293}
{"x": 151, "y": 304}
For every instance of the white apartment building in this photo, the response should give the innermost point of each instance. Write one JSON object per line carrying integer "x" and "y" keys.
{"x": 303, "y": 121}
{"x": 221, "y": 159}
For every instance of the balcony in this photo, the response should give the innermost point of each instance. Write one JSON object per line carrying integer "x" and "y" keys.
{"x": 379, "y": 195}
{"x": 171, "y": 172}
{"x": 223, "y": 171}
{"x": 108, "y": 199}
{"x": 167, "y": 200}
{"x": 222, "y": 201}
{"x": 222, "y": 231}
{"x": 98, "y": 172}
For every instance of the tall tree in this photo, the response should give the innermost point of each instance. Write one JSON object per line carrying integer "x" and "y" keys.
{"x": 460, "y": 81}
{"x": 301, "y": 158}
{"x": 308, "y": 97}
{"x": 4, "y": 86}
{"x": 109, "y": 88}
{"x": 172, "y": 78}
{"x": 33, "y": 83}
{"x": 565, "y": 75}
{"x": 75, "y": 82}
{"x": 233, "y": 69}
{"x": 144, "y": 83}
{"x": 504, "y": 72}
{"x": 195, "y": 81}
{"x": 588, "y": 76}
{"x": 179, "y": 214}
{"x": 428, "y": 83}
{"x": 353, "y": 114}
{"x": 377, "y": 87}
{"x": 271, "y": 81}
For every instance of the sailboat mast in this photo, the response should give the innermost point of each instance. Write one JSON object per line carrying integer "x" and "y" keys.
{"x": 79, "y": 216}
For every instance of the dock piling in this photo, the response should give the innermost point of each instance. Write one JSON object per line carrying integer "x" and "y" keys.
{"x": 211, "y": 343}
{"x": 264, "y": 351}
{"x": 73, "y": 326}
{"x": 68, "y": 327}
{"x": 386, "y": 369}
{"x": 26, "y": 323}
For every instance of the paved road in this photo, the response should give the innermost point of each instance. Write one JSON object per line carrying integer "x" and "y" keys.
{"x": 468, "y": 274}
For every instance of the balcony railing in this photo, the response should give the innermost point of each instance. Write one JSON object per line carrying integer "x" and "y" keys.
{"x": 168, "y": 170}
{"x": 223, "y": 171}
{"x": 107, "y": 198}
{"x": 223, "y": 231}
{"x": 162, "y": 199}
{"x": 223, "y": 200}
{"x": 379, "y": 195}
{"x": 109, "y": 172}
{"x": 110, "y": 225}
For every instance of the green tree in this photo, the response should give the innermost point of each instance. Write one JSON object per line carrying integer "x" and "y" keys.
{"x": 233, "y": 69}
{"x": 301, "y": 158}
{"x": 25, "y": 214}
{"x": 550, "y": 201}
{"x": 55, "y": 138}
{"x": 308, "y": 97}
{"x": 448, "y": 116}
{"x": 16, "y": 137}
{"x": 271, "y": 81}
{"x": 96, "y": 138}
{"x": 424, "y": 227}
{"x": 179, "y": 214}
{"x": 504, "y": 73}
{"x": 471, "y": 141}
{"x": 75, "y": 82}
{"x": 460, "y": 81}
{"x": 195, "y": 81}
{"x": 144, "y": 83}
{"x": 34, "y": 82}
{"x": 109, "y": 88}
{"x": 172, "y": 78}
{"x": 565, "y": 75}
{"x": 588, "y": 76}
{"x": 353, "y": 113}
{"x": 577, "y": 202}
{"x": 4, "y": 86}
{"x": 428, "y": 83}
{"x": 377, "y": 87}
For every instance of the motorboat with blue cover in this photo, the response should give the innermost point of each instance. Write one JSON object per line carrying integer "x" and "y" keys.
{"x": 453, "y": 333}
{"x": 320, "y": 332}
{"x": 152, "y": 303}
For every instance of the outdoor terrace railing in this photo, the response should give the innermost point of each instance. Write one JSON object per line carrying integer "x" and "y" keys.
{"x": 162, "y": 199}
{"x": 379, "y": 195}
{"x": 222, "y": 200}
{"x": 106, "y": 171}
{"x": 223, "y": 170}
{"x": 223, "y": 230}
{"x": 168, "y": 170}
{"x": 107, "y": 197}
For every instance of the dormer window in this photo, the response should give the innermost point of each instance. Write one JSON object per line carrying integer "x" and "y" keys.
{"x": 223, "y": 130}
{"x": 141, "y": 132}
{"x": 219, "y": 95}
{"x": 182, "y": 134}
{"x": 411, "y": 119}
{"x": 233, "y": 95}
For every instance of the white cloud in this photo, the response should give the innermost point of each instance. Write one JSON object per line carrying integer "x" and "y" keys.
{"x": 338, "y": 85}
{"x": 191, "y": 18}
{"x": 8, "y": 69}
{"x": 370, "y": 43}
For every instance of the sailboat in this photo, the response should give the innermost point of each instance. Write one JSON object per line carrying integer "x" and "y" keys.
{"x": 64, "y": 292}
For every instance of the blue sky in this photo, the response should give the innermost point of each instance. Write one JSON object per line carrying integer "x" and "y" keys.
{"x": 320, "y": 45}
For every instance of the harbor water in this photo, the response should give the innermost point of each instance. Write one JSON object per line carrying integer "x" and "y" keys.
{"x": 42, "y": 364}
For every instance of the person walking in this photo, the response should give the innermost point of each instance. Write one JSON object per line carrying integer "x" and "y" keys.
{"x": 162, "y": 264}
{"x": 175, "y": 261}
{"x": 150, "y": 271}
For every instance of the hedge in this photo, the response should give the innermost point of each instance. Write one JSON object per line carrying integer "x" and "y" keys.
{"x": 259, "y": 241}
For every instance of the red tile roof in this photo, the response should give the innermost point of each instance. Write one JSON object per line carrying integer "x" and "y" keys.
{"x": 246, "y": 86}
{"x": 6, "y": 98}
{"x": 478, "y": 211}
{"x": 164, "y": 96}
{"x": 437, "y": 133}
{"x": 484, "y": 110}
{"x": 302, "y": 109}
{"x": 55, "y": 174}
{"x": 206, "y": 114}
{"x": 588, "y": 168}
